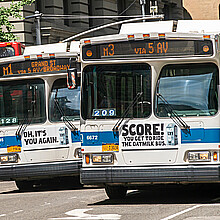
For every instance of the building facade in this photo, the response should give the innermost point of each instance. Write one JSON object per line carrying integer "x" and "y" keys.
{"x": 203, "y": 9}
{"x": 55, "y": 29}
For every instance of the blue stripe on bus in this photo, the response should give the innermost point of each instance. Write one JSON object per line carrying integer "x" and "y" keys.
{"x": 199, "y": 135}
{"x": 9, "y": 141}
{"x": 99, "y": 138}
{"x": 75, "y": 136}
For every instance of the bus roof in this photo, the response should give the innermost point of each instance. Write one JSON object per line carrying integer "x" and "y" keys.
{"x": 53, "y": 48}
{"x": 180, "y": 26}
{"x": 199, "y": 26}
{"x": 133, "y": 28}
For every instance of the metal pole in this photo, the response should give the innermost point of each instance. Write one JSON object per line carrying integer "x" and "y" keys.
{"x": 37, "y": 27}
{"x": 143, "y": 3}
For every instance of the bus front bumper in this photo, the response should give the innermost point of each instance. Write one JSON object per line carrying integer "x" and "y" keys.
{"x": 142, "y": 175}
{"x": 39, "y": 170}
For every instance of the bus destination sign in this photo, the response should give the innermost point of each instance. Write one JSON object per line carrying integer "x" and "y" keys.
{"x": 34, "y": 66}
{"x": 148, "y": 48}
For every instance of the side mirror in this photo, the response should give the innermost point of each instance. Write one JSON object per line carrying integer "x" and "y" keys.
{"x": 72, "y": 78}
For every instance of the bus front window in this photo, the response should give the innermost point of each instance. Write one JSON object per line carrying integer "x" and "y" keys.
{"x": 108, "y": 90}
{"x": 68, "y": 102}
{"x": 22, "y": 100}
{"x": 190, "y": 89}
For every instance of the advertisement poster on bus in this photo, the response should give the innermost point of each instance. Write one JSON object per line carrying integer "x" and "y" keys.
{"x": 45, "y": 137}
{"x": 149, "y": 135}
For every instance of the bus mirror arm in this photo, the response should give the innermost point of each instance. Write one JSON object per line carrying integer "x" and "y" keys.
{"x": 115, "y": 129}
{"x": 174, "y": 116}
{"x": 72, "y": 78}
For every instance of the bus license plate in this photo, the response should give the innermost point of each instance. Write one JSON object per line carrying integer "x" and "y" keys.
{"x": 110, "y": 147}
{"x": 14, "y": 149}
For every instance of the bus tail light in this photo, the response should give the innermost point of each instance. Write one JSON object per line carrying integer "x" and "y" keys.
{"x": 39, "y": 56}
{"x": 87, "y": 158}
{"x": 87, "y": 41}
{"x": 215, "y": 156}
{"x": 27, "y": 57}
{"x": 52, "y": 55}
{"x": 206, "y": 36}
{"x": 161, "y": 36}
{"x": 131, "y": 37}
{"x": 146, "y": 36}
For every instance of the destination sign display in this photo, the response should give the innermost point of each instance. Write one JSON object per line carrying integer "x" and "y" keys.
{"x": 34, "y": 66}
{"x": 148, "y": 48}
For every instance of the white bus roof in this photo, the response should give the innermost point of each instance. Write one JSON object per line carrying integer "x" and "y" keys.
{"x": 199, "y": 26}
{"x": 182, "y": 26}
{"x": 52, "y": 48}
{"x": 147, "y": 27}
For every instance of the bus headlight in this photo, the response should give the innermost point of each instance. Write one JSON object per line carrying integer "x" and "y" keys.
{"x": 102, "y": 158}
{"x": 9, "y": 158}
{"x": 199, "y": 156}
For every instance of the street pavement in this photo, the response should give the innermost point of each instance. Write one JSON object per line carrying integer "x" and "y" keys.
{"x": 151, "y": 203}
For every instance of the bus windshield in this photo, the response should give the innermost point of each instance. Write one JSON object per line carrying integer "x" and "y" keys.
{"x": 109, "y": 89}
{"x": 68, "y": 101}
{"x": 190, "y": 89}
{"x": 21, "y": 100}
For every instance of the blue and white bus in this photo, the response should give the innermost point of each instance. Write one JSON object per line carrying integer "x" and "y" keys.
{"x": 39, "y": 116}
{"x": 150, "y": 105}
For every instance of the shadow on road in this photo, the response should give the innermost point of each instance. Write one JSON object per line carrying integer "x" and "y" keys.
{"x": 169, "y": 194}
{"x": 45, "y": 185}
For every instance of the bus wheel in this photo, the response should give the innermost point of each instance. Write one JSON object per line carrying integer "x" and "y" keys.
{"x": 24, "y": 185}
{"x": 116, "y": 192}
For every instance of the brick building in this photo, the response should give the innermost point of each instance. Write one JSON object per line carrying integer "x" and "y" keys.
{"x": 54, "y": 30}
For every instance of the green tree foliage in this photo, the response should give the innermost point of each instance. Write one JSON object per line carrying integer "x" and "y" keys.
{"x": 5, "y": 13}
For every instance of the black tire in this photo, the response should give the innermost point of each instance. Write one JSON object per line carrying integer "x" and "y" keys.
{"x": 116, "y": 192}
{"x": 25, "y": 185}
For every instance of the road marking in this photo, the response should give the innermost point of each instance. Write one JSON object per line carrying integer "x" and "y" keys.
{"x": 45, "y": 203}
{"x": 74, "y": 197}
{"x": 18, "y": 211}
{"x": 182, "y": 212}
{"x": 80, "y": 214}
{"x": 2, "y": 215}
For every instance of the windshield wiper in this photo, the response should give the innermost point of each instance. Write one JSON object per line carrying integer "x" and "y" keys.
{"x": 173, "y": 115}
{"x": 66, "y": 121}
{"x": 25, "y": 122}
{"x": 118, "y": 123}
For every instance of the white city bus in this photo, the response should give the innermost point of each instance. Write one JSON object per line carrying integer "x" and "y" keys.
{"x": 150, "y": 109}
{"x": 39, "y": 116}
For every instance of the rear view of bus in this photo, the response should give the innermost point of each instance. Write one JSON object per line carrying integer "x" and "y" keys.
{"x": 39, "y": 117}
{"x": 150, "y": 111}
